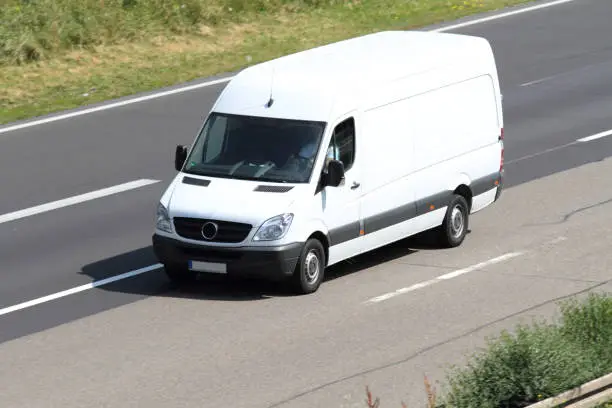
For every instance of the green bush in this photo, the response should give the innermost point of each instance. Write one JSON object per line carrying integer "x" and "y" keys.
{"x": 537, "y": 361}
{"x": 590, "y": 324}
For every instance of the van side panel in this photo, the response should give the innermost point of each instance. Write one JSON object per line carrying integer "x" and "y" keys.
{"x": 423, "y": 146}
{"x": 453, "y": 120}
{"x": 388, "y": 200}
{"x": 456, "y": 132}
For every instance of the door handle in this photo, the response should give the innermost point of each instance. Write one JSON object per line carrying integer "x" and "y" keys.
{"x": 355, "y": 185}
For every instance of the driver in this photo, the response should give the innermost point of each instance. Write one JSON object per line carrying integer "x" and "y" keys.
{"x": 306, "y": 156}
{"x": 309, "y": 150}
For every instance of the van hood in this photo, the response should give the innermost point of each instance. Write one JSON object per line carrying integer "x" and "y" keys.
{"x": 231, "y": 200}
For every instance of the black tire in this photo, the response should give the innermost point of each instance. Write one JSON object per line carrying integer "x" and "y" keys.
{"x": 180, "y": 274}
{"x": 310, "y": 269}
{"x": 454, "y": 228}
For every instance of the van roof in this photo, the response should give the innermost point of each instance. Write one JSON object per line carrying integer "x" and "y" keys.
{"x": 322, "y": 81}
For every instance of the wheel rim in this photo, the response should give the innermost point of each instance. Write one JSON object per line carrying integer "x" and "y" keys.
{"x": 457, "y": 222}
{"x": 312, "y": 266}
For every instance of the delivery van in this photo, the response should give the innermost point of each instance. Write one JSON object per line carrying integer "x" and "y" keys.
{"x": 322, "y": 155}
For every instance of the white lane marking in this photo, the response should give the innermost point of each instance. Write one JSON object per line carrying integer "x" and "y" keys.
{"x": 113, "y": 105}
{"x": 447, "y": 276}
{"x": 503, "y": 15}
{"x": 595, "y": 137}
{"x": 77, "y": 289}
{"x": 227, "y": 79}
{"x": 54, "y": 205}
{"x": 537, "y": 81}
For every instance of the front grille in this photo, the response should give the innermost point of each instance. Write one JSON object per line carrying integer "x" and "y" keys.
{"x": 229, "y": 232}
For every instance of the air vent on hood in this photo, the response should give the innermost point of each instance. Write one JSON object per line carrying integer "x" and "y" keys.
{"x": 273, "y": 189}
{"x": 196, "y": 182}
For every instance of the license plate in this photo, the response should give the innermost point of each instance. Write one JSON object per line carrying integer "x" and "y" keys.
{"x": 210, "y": 267}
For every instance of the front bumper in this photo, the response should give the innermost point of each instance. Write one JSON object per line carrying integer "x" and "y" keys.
{"x": 269, "y": 262}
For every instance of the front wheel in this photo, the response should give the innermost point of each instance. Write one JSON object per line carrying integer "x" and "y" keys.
{"x": 310, "y": 269}
{"x": 455, "y": 226}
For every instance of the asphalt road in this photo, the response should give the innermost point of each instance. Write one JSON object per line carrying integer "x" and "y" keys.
{"x": 252, "y": 347}
{"x": 556, "y": 72}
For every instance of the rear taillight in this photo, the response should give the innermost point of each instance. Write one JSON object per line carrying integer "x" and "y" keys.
{"x": 501, "y": 141}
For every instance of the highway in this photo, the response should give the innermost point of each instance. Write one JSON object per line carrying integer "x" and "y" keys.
{"x": 385, "y": 320}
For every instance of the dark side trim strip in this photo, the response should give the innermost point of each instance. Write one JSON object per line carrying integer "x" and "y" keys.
{"x": 389, "y": 218}
{"x": 484, "y": 184}
{"x": 408, "y": 211}
{"x": 344, "y": 233}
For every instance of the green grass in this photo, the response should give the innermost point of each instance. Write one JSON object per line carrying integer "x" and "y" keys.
{"x": 60, "y": 54}
{"x": 534, "y": 362}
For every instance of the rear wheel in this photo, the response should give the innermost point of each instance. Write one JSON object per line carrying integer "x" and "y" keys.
{"x": 179, "y": 273}
{"x": 455, "y": 226}
{"x": 310, "y": 269}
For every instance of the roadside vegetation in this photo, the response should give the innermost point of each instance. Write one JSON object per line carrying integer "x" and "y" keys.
{"x": 59, "y": 54}
{"x": 533, "y": 362}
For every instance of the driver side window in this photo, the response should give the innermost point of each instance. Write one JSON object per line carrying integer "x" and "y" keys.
{"x": 342, "y": 145}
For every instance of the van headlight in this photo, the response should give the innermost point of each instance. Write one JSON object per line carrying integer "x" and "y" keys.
{"x": 274, "y": 228}
{"x": 163, "y": 219}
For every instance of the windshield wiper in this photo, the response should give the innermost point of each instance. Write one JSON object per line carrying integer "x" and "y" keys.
{"x": 264, "y": 170}
{"x": 236, "y": 167}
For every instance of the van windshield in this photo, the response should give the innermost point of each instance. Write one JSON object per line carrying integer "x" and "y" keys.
{"x": 256, "y": 148}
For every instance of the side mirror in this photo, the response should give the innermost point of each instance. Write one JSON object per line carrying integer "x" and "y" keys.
{"x": 180, "y": 156}
{"x": 335, "y": 173}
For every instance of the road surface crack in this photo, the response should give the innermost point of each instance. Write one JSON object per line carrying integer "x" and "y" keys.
{"x": 567, "y": 216}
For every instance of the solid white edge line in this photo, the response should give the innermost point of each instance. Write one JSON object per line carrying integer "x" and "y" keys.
{"x": 595, "y": 137}
{"x": 77, "y": 289}
{"x": 113, "y": 105}
{"x": 54, "y": 205}
{"x": 503, "y": 15}
{"x": 227, "y": 79}
{"x": 447, "y": 276}
{"x": 552, "y": 149}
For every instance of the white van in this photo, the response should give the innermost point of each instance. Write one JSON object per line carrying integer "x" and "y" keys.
{"x": 316, "y": 157}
